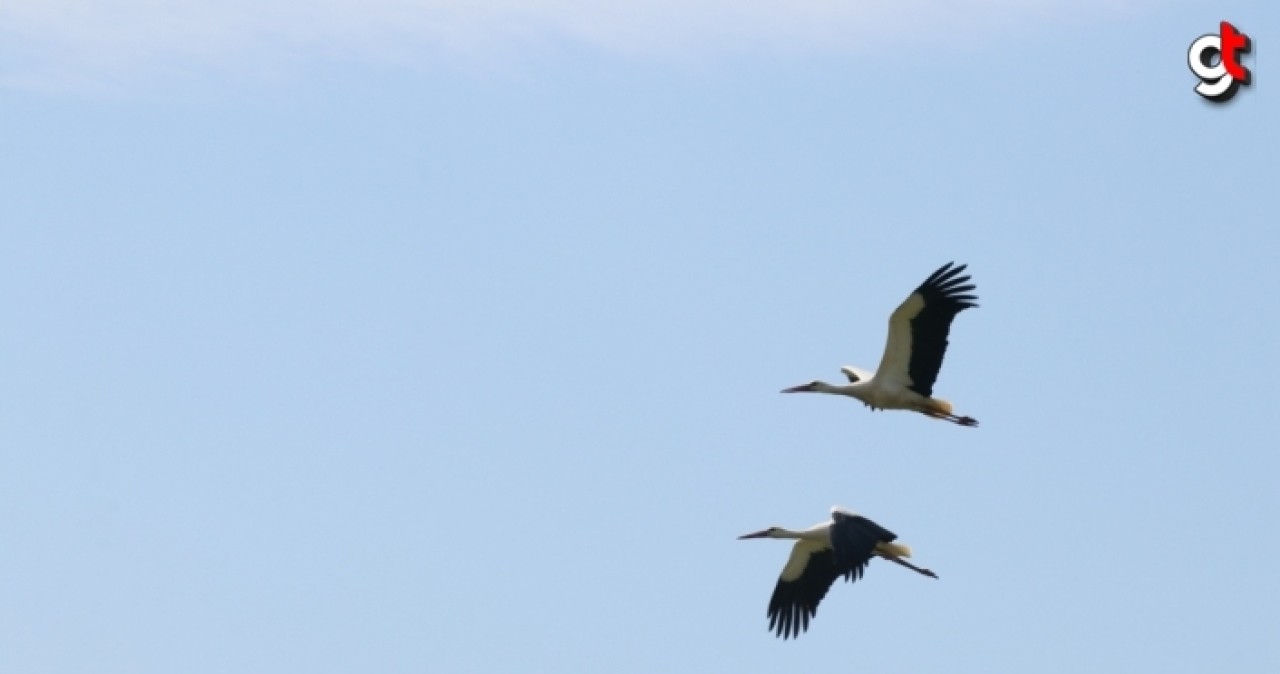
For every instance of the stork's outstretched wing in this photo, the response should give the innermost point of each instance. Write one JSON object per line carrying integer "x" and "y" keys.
{"x": 853, "y": 541}
{"x": 805, "y": 580}
{"x": 919, "y": 327}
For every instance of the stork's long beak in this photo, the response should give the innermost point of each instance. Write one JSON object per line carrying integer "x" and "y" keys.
{"x": 758, "y": 534}
{"x": 798, "y": 389}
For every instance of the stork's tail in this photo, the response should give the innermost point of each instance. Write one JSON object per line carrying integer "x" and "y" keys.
{"x": 940, "y": 406}
{"x": 894, "y": 549}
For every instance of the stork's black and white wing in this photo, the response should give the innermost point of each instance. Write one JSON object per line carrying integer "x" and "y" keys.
{"x": 919, "y": 327}
{"x": 805, "y": 580}
{"x": 813, "y": 567}
{"x": 853, "y": 541}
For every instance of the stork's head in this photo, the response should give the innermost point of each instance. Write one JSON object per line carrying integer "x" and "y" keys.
{"x": 804, "y": 388}
{"x": 771, "y": 532}
{"x": 813, "y": 386}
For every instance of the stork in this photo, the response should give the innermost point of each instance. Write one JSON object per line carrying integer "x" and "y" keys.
{"x": 918, "y": 331}
{"x": 842, "y": 547}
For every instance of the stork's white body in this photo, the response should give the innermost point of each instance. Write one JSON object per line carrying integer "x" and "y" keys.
{"x": 879, "y": 393}
{"x": 817, "y": 539}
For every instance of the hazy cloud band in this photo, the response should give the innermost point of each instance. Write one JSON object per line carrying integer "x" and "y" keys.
{"x": 90, "y": 40}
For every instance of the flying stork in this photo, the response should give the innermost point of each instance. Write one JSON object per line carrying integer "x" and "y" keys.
{"x": 842, "y": 547}
{"x": 917, "y": 342}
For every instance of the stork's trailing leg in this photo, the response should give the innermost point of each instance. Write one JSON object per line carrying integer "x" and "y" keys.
{"x": 941, "y": 409}
{"x": 909, "y": 565}
{"x": 947, "y": 416}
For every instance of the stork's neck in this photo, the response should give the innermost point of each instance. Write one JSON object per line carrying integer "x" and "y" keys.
{"x": 852, "y": 390}
{"x": 817, "y": 533}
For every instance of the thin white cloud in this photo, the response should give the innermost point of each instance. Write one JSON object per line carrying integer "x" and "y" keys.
{"x": 43, "y": 42}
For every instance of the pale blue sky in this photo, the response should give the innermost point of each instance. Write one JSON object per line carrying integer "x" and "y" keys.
{"x": 464, "y": 355}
